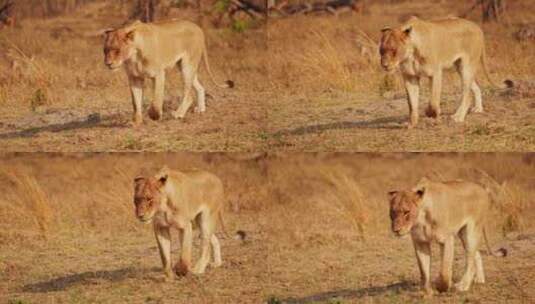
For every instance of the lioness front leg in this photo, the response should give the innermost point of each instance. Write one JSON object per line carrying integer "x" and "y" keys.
{"x": 436, "y": 89}
{"x": 446, "y": 250}
{"x": 163, "y": 238}
{"x": 183, "y": 266}
{"x": 423, "y": 256}
{"x": 156, "y": 109}
{"x": 412, "y": 86}
{"x": 136, "y": 89}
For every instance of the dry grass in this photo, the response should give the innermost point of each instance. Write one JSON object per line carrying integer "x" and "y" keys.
{"x": 319, "y": 256}
{"x": 55, "y": 91}
{"x": 315, "y": 224}
{"x": 333, "y": 95}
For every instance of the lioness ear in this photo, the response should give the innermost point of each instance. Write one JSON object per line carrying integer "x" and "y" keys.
{"x": 130, "y": 35}
{"x": 162, "y": 180}
{"x": 420, "y": 192}
{"x": 106, "y": 32}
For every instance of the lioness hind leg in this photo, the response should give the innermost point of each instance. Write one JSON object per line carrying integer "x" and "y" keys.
{"x": 216, "y": 250}
{"x": 206, "y": 233}
{"x": 188, "y": 73}
{"x": 471, "y": 241}
{"x": 467, "y": 76}
{"x": 201, "y": 95}
{"x": 477, "y": 98}
{"x": 480, "y": 274}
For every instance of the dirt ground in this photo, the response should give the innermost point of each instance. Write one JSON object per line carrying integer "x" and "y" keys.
{"x": 332, "y": 94}
{"x": 317, "y": 229}
{"x": 57, "y": 95}
{"x": 303, "y": 83}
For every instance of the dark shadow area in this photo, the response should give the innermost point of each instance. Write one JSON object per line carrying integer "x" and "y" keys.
{"x": 380, "y": 123}
{"x": 93, "y": 120}
{"x": 348, "y": 294}
{"x": 88, "y": 278}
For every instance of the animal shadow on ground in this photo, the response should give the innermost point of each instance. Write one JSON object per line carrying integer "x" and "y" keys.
{"x": 348, "y": 294}
{"x": 87, "y": 278}
{"x": 392, "y": 122}
{"x": 93, "y": 120}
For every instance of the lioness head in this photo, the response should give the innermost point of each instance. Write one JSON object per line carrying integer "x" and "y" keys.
{"x": 148, "y": 196}
{"x": 404, "y": 210}
{"x": 394, "y": 47}
{"x": 118, "y": 47}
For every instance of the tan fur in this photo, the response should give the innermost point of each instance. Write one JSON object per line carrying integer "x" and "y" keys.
{"x": 424, "y": 49}
{"x": 181, "y": 200}
{"x": 146, "y": 50}
{"x": 436, "y": 212}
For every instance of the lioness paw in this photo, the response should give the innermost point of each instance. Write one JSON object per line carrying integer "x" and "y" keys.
{"x": 216, "y": 264}
{"x": 461, "y": 287}
{"x": 431, "y": 112}
{"x": 477, "y": 110}
{"x": 169, "y": 276}
{"x": 177, "y": 115}
{"x": 181, "y": 268}
{"x": 154, "y": 114}
{"x": 443, "y": 285}
{"x": 457, "y": 117}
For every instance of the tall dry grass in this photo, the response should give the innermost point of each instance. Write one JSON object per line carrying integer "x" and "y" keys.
{"x": 337, "y": 196}
{"x": 26, "y": 200}
{"x": 47, "y": 196}
{"x": 315, "y": 53}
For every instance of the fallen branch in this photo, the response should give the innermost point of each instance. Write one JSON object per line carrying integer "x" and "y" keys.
{"x": 7, "y": 17}
{"x": 334, "y": 7}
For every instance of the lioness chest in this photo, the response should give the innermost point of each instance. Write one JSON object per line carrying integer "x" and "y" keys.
{"x": 419, "y": 66}
{"x": 140, "y": 67}
{"x": 179, "y": 217}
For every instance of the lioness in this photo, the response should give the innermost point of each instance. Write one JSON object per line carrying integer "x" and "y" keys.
{"x": 437, "y": 211}
{"x": 179, "y": 199}
{"x": 425, "y": 48}
{"x": 147, "y": 49}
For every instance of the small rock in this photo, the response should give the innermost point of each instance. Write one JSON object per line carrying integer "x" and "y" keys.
{"x": 93, "y": 118}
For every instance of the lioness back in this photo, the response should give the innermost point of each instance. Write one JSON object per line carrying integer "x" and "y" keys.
{"x": 173, "y": 34}
{"x": 461, "y": 197}
{"x": 199, "y": 184}
{"x": 460, "y": 34}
